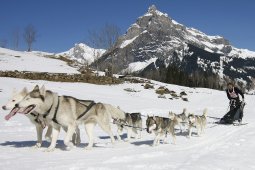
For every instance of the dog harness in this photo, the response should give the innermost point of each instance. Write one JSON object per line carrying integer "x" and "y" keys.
{"x": 87, "y": 109}
{"x": 54, "y": 119}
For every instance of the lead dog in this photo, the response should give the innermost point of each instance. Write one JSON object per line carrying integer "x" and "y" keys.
{"x": 161, "y": 126}
{"x": 132, "y": 122}
{"x": 69, "y": 112}
{"x": 198, "y": 122}
{"x": 36, "y": 119}
{"x": 33, "y": 117}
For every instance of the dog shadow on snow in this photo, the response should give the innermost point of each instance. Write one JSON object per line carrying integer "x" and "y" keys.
{"x": 123, "y": 136}
{"x": 24, "y": 144}
{"x": 137, "y": 143}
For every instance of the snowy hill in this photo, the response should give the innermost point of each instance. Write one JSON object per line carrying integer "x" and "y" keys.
{"x": 32, "y": 61}
{"x": 83, "y": 53}
{"x": 156, "y": 41}
{"x": 221, "y": 147}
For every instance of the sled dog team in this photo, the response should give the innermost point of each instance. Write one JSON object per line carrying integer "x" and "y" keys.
{"x": 46, "y": 108}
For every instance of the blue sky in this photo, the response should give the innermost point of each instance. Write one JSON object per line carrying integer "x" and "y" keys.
{"x": 62, "y": 23}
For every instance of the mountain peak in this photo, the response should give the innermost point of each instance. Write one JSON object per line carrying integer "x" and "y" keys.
{"x": 152, "y": 8}
{"x": 154, "y": 11}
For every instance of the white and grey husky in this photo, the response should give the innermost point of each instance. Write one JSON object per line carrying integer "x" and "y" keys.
{"x": 69, "y": 112}
{"x": 161, "y": 126}
{"x": 33, "y": 117}
{"x": 198, "y": 122}
{"x": 182, "y": 119}
{"x": 132, "y": 122}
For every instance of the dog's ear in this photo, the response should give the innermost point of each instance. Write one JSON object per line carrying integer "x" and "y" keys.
{"x": 36, "y": 88}
{"x": 43, "y": 90}
{"x": 184, "y": 111}
{"x": 154, "y": 118}
{"x": 24, "y": 91}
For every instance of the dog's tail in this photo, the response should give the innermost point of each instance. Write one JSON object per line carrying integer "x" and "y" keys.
{"x": 205, "y": 112}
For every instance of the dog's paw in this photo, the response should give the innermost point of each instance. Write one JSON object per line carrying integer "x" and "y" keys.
{"x": 127, "y": 140}
{"x": 88, "y": 148}
{"x": 49, "y": 149}
{"x": 68, "y": 148}
{"x": 154, "y": 144}
{"x": 37, "y": 145}
{"x": 120, "y": 141}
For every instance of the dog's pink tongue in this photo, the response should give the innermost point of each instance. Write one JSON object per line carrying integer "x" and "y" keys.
{"x": 12, "y": 113}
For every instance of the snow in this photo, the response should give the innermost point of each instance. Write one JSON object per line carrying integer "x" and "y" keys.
{"x": 207, "y": 41}
{"x": 175, "y": 22}
{"x": 138, "y": 66}
{"x": 242, "y": 53}
{"x": 147, "y": 14}
{"x": 221, "y": 147}
{"x": 209, "y": 50}
{"x": 127, "y": 42}
{"x": 32, "y": 61}
{"x": 161, "y": 13}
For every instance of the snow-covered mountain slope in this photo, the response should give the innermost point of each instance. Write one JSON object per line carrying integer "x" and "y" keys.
{"x": 221, "y": 147}
{"x": 83, "y": 53}
{"x": 32, "y": 61}
{"x": 157, "y": 36}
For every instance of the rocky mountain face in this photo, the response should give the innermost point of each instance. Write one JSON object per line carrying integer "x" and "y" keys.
{"x": 156, "y": 42}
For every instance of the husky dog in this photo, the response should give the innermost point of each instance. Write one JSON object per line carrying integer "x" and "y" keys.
{"x": 69, "y": 112}
{"x": 132, "y": 122}
{"x": 160, "y": 126}
{"x": 36, "y": 119}
{"x": 33, "y": 117}
{"x": 199, "y": 122}
{"x": 182, "y": 119}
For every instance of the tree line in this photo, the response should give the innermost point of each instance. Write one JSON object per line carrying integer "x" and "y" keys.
{"x": 175, "y": 75}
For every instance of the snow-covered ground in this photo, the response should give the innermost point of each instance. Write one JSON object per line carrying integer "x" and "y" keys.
{"x": 221, "y": 147}
{"x": 32, "y": 61}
